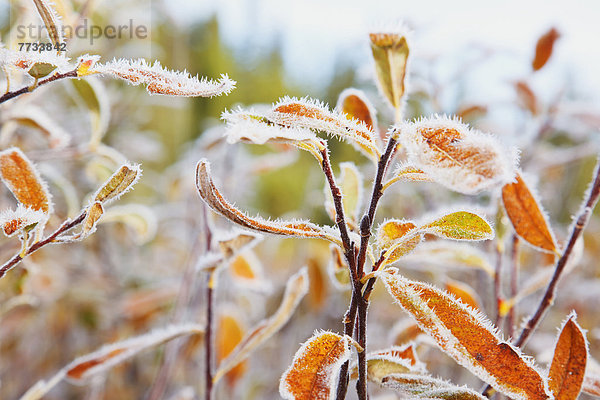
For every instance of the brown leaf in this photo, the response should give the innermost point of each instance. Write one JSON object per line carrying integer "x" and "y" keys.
{"x": 467, "y": 337}
{"x": 543, "y": 48}
{"x": 23, "y": 180}
{"x": 526, "y": 215}
{"x": 315, "y": 368}
{"x": 240, "y": 241}
{"x": 211, "y": 195}
{"x": 527, "y": 97}
{"x": 295, "y": 290}
{"x": 119, "y": 183}
{"x": 418, "y": 386}
{"x": 568, "y": 365}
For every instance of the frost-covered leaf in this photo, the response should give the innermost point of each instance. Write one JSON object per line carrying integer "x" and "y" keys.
{"x": 397, "y": 238}
{"x": 98, "y": 362}
{"x": 246, "y": 270}
{"x": 209, "y": 193}
{"x": 467, "y": 337}
{"x": 316, "y": 366}
{"x": 456, "y": 156}
{"x": 51, "y": 20}
{"x": 13, "y": 221}
{"x": 567, "y": 369}
{"x": 407, "y": 172}
{"x": 543, "y": 48}
{"x": 41, "y": 69}
{"x": 229, "y": 333}
{"x": 23, "y": 180}
{"x": 526, "y": 215}
{"x": 460, "y": 225}
{"x": 247, "y": 126}
{"x": 25, "y": 60}
{"x": 418, "y": 386}
{"x": 390, "y": 51}
{"x": 159, "y": 80}
{"x": 295, "y": 290}
{"x": 119, "y": 183}
{"x": 237, "y": 241}
{"x": 86, "y": 64}
{"x": 312, "y": 114}
{"x": 394, "y": 360}
{"x": 355, "y": 104}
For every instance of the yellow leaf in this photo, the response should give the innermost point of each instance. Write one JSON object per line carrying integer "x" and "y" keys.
{"x": 394, "y": 360}
{"x": 397, "y": 238}
{"x": 119, "y": 183}
{"x": 295, "y": 290}
{"x": 390, "y": 52}
{"x": 527, "y": 216}
{"x": 426, "y": 387}
{"x": 467, "y": 337}
{"x": 460, "y": 225}
{"x": 210, "y": 194}
{"x": 229, "y": 334}
{"x": 567, "y": 369}
{"x": 315, "y": 368}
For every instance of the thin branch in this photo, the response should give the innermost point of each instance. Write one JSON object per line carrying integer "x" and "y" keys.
{"x": 67, "y": 225}
{"x": 27, "y": 89}
{"x": 576, "y": 231}
{"x": 514, "y": 273}
{"x": 498, "y": 282}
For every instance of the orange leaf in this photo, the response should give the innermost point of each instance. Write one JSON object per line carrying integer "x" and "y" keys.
{"x": 526, "y": 215}
{"x": 467, "y": 337}
{"x": 568, "y": 364}
{"x": 211, "y": 195}
{"x": 543, "y": 48}
{"x": 464, "y": 293}
{"x": 23, "y": 180}
{"x": 355, "y": 105}
{"x": 229, "y": 334}
{"x": 527, "y": 97}
{"x": 315, "y": 368}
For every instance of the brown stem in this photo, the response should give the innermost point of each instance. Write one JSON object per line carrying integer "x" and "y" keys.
{"x": 514, "y": 273}
{"x": 208, "y": 338}
{"x": 9, "y": 95}
{"x": 498, "y": 282}
{"x": 67, "y": 225}
{"x": 576, "y": 230}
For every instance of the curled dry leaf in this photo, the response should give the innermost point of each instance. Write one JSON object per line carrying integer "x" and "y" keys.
{"x": 295, "y": 290}
{"x": 543, "y": 48}
{"x": 23, "y": 180}
{"x": 456, "y": 156}
{"x": 83, "y": 368}
{"x": 159, "y": 80}
{"x": 51, "y": 20}
{"x": 315, "y": 368}
{"x": 118, "y": 184}
{"x": 313, "y": 115}
{"x": 567, "y": 369}
{"x": 390, "y": 52}
{"x": 355, "y": 104}
{"x": 394, "y": 360}
{"x": 419, "y": 386}
{"x": 526, "y": 215}
{"x": 237, "y": 242}
{"x": 209, "y": 193}
{"x": 93, "y": 214}
{"x": 467, "y": 337}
